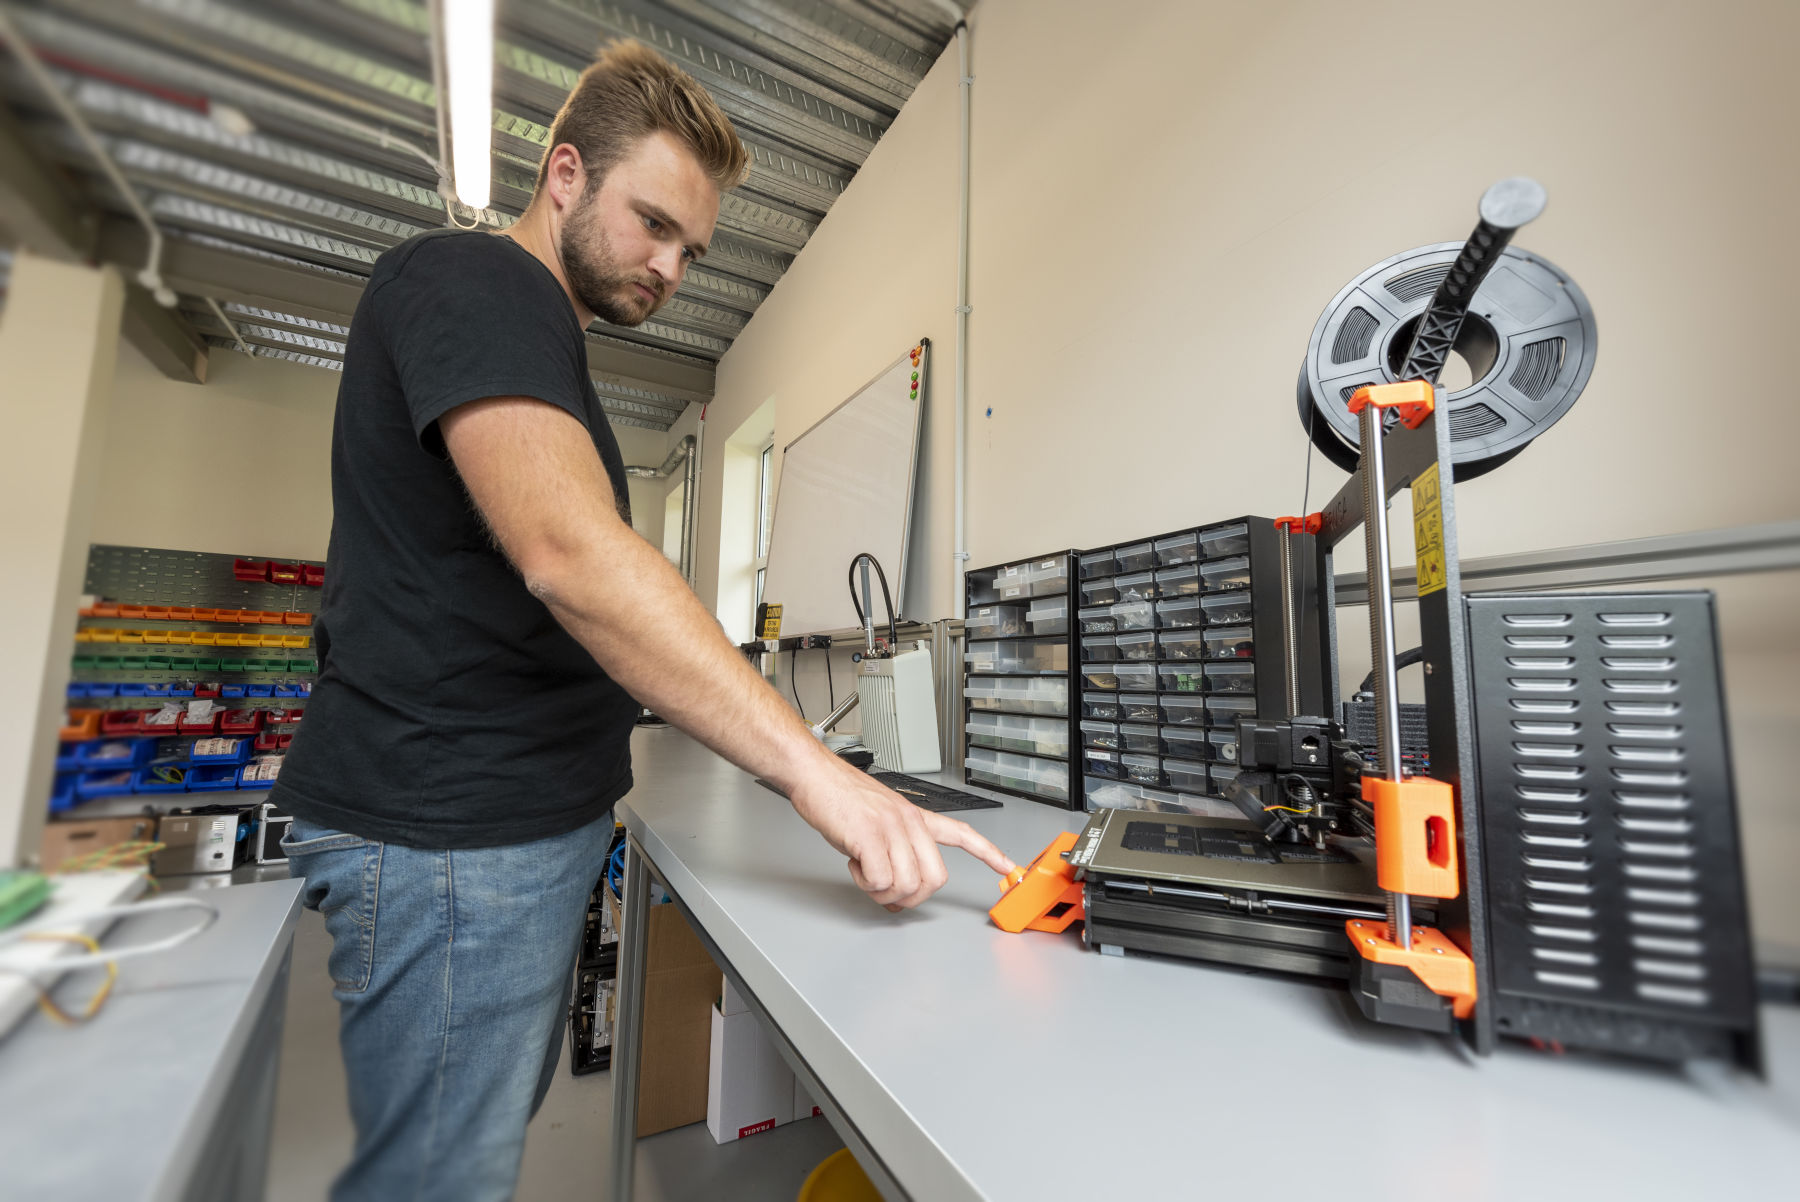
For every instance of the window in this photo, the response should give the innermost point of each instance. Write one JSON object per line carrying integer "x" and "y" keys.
{"x": 765, "y": 515}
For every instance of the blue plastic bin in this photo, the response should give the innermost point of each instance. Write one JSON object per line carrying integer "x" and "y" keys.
{"x": 212, "y": 776}
{"x": 62, "y": 792}
{"x": 115, "y": 754}
{"x": 238, "y": 755}
{"x": 145, "y": 780}
{"x": 104, "y": 784}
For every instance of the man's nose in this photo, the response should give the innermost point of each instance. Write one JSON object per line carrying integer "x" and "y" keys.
{"x": 667, "y": 263}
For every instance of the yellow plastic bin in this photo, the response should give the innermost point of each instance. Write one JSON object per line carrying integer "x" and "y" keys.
{"x": 838, "y": 1179}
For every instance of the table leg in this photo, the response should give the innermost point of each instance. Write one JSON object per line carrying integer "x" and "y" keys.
{"x": 627, "y": 1050}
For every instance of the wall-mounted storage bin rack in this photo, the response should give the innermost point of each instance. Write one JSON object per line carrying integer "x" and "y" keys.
{"x": 174, "y": 625}
{"x": 1019, "y": 710}
{"x": 1160, "y": 693}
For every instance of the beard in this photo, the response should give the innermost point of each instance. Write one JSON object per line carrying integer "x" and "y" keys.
{"x": 595, "y": 276}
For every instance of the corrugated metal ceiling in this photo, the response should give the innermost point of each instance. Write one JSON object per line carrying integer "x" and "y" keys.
{"x": 279, "y": 218}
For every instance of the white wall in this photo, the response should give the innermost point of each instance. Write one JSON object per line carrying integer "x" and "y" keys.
{"x": 1165, "y": 200}
{"x": 1159, "y": 220}
{"x": 879, "y": 273}
{"x": 240, "y": 464}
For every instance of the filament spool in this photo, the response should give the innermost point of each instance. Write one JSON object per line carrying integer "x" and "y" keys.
{"x": 1528, "y": 341}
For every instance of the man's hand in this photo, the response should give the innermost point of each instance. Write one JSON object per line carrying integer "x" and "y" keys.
{"x": 892, "y": 844}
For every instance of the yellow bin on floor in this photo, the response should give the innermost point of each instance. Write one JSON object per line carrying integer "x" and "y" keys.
{"x": 838, "y": 1179}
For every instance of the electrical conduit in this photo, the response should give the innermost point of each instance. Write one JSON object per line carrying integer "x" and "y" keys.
{"x": 960, "y": 557}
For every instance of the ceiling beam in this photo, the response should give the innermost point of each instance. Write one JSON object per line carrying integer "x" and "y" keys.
{"x": 269, "y": 283}
{"x": 614, "y": 357}
{"x": 38, "y": 208}
{"x": 166, "y": 339}
{"x": 248, "y": 279}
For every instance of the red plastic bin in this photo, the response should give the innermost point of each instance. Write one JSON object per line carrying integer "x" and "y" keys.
{"x": 284, "y": 573}
{"x": 250, "y": 569}
{"x": 309, "y": 575}
{"x": 208, "y": 725}
{"x": 241, "y": 722}
{"x": 123, "y": 722}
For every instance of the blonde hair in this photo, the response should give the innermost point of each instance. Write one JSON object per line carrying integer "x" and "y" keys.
{"x": 630, "y": 92}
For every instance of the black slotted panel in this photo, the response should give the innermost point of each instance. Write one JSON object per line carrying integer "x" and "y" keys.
{"x": 1616, "y": 892}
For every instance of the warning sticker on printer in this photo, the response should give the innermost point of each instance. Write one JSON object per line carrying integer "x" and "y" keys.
{"x": 1428, "y": 531}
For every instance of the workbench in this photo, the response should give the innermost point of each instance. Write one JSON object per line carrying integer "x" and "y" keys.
{"x": 958, "y": 1062}
{"x": 167, "y": 1094}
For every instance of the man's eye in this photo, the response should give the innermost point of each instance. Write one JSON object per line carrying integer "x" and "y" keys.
{"x": 687, "y": 256}
{"x": 652, "y": 224}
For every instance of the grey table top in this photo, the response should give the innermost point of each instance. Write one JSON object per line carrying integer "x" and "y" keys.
{"x": 116, "y": 1108}
{"x": 979, "y": 1064}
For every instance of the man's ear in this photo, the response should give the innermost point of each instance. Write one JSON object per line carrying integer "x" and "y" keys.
{"x": 566, "y": 178}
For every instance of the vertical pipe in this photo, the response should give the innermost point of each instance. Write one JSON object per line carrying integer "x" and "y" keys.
{"x": 962, "y": 332}
{"x": 690, "y": 569}
{"x": 627, "y": 1048}
{"x": 1380, "y": 571}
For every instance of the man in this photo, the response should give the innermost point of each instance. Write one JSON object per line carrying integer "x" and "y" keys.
{"x": 489, "y": 617}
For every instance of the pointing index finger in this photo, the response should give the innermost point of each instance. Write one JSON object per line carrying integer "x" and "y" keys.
{"x": 953, "y": 833}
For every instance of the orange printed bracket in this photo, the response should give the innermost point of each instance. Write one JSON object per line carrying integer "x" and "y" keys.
{"x": 1439, "y": 964}
{"x": 1312, "y": 523}
{"x": 1045, "y": 896}
{"x": 1411, "y": 399}
{"x": 1415, "y": 835}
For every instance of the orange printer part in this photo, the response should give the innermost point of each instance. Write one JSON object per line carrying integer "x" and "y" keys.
{"x": 1411, "y": 399}
{"x": 1439, "y": 964}
{"x": 1312, "y": 523}
{"x": 1044, "y": 896}
{"x": 1415, "y": 835}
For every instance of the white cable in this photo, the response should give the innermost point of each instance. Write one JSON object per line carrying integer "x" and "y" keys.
{"x": 151, "y": 276}
{"x": 155, "y": 905}
{"x": 450, "y": 215}
{"x": 232, "y": 328}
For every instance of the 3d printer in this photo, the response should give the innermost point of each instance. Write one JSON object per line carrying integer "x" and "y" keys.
{"x": 1545, "y": 849}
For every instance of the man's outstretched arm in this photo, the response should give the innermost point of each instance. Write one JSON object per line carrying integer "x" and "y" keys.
{"x": 532, "y": 471}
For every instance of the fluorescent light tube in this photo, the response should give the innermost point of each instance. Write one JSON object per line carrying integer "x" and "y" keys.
{"x": 468, "y": 33}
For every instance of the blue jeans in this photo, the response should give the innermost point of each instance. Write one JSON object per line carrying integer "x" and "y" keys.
{"x": 453, "y": 972}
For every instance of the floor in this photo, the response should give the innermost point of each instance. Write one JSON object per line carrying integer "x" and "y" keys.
{"x": 567, "y": 1149}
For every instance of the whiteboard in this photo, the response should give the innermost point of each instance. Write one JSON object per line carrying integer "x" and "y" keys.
{"x": 846, "y": 486}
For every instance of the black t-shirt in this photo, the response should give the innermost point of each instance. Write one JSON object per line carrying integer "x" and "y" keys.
{"x": 451, "y": 709}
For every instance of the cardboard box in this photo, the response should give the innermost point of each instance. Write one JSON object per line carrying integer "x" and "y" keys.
{"x": 749, "y": 1086}
{"x": 803, "y": 1103}
{"x": 66, "y": 840}
{"x": 680, "y": 985}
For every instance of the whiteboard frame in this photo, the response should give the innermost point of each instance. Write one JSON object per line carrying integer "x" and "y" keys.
{"x": 897, "y": 583}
